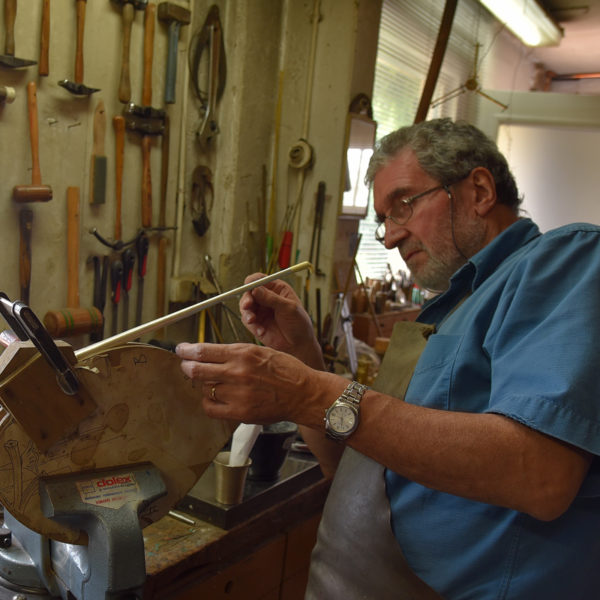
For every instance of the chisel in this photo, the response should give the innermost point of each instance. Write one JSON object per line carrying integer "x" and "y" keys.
{"x": 116, "y": 282}
{"x": 128, "y": 258}
{"x": 98, "y": 164}
{"x": 25, "y": 225}
{"x": 141, "y": 246}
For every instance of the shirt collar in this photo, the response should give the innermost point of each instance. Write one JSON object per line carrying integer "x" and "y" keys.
{"x": 481, "y": 265}
{"x": 488, "y": 259}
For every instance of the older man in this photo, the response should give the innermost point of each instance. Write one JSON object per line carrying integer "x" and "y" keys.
{"x": 483, "y": 483}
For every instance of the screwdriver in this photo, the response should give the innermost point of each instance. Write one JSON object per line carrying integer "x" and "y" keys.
{"x": 128, "y": 258}
{"x": 141, "y": 245}
{"x": 116, "y": 281}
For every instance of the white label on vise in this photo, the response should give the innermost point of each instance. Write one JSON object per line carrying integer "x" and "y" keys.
{"x": 112, "y": 491}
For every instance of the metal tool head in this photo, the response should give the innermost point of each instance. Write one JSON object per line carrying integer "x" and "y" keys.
{"x": 78, "y": 89}
{"x": 145, "y": 119}
{"x": 139, "y": 4}
{"x": 169, "y": 11}
{"x": 7, "y": 60}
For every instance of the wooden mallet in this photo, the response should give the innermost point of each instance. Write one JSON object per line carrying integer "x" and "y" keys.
{"x": 73, "y": 320}
{"x": 36, "y": 192}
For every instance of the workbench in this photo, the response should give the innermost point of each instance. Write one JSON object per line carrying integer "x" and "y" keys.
{"x": 264, "y": 558}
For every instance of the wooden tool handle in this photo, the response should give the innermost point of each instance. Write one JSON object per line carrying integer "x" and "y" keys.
{"x": 125, "y": 81}
{"x": 10, "y": 15}
{"x": 25, "y": 225}
{"x": 149, "y": 21}
{"x": 146, "y": 182}
{"x": 164, "y": 173}
{"x": 73, "y": 247}
{"x": 34, "y": 134}
{"x": 44, "y": 64}
{"x": 119, "y": 127}
{"x": 99, "y": 129}
{"x": 161, "y": 276}
{"x": 79, "y": 51}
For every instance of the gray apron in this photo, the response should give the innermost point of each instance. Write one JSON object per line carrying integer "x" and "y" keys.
{"x": 356, "y": 555}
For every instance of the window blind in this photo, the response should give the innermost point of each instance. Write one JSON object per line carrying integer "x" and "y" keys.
{"x": 407, "y": 36}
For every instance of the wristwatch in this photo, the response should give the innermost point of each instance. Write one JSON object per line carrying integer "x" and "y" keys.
{"x": 343, "y": 416}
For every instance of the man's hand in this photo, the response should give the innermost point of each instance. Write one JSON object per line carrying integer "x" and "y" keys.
{"x": 251, "y": 383}
{"x": 274, "y": 314}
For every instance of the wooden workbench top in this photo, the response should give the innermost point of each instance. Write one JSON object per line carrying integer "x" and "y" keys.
{"x": 179, "y": 555}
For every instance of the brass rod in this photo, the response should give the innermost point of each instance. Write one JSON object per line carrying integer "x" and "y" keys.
{"x": 134, "y": 333}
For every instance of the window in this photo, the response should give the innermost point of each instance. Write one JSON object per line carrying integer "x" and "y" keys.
{"x": 407, "y": 36}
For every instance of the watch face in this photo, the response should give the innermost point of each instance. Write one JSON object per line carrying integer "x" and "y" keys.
{"x": 342, "y": 419}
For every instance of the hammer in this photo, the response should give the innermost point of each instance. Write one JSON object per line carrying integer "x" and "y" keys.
{"x": 144, "y": 119}
{"x": 77, "y": 87}
{"x": 128, "y": 11}
{"x": 175, "y": 16}
{"x": 36, "y": 192}
{"x": 8, "y": 58}
{"x": 73, "y": 320}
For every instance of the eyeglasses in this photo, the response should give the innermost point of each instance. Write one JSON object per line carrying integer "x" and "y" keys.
{"x": 403, "y": 211}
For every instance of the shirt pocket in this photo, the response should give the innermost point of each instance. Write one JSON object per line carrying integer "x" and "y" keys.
{"x": 431, "y": 382}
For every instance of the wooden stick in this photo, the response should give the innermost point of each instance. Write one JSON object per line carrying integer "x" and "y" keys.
{"x": 136, "y": 332}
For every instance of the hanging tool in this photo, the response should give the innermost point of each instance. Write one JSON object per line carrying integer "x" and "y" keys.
{"x": 148, "y": 122}
{"x": 161, "y": 262}
{"x": 77, "y": 87}
{"x": 119, "y": 128}
{"x": 25, "y": 225}
{"x": 141, "y": 246}
{"x": 73, "y": 320}
{"x": 215, "y": 280}
{"x": 144, "y": 119}
{"x": 201, "y": 188}
{"x": 128, "y": 8}
{"x": 7, "y": 94}
{"x": 116, "y": 286}
{"x": 128, "y": 260}
{"x": 317, "y": 227}
{"x": 101, "y": 266}
{"x": 177, "y": 284}
{"x": 8, "y": 58}
{"x": 44, "y": 66}
{"x": 316, "y": 237}
{"x": 300, "y": 158}
{"x": 98, "y": 166}
{"x": 36, "y": 192}
{"x": 175, "y": 16}
{"x": 211, "y": 37}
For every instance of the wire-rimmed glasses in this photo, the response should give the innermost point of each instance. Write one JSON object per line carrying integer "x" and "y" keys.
{"x": 403, "y": 211}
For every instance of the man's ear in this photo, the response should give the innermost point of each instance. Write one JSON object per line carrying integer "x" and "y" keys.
{"x": 485, "y": 190}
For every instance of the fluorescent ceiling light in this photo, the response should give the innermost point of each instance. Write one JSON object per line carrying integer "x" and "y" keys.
{"x": 527, "y": 20}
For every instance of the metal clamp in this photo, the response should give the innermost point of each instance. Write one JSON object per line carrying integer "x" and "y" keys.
{"x": 27, "y": 326}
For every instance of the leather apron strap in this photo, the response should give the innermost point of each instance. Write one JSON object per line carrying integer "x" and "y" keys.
{"x": 356, "y": 555}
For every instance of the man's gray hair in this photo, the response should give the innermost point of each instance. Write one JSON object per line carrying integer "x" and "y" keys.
{"x": 448, "y": 151}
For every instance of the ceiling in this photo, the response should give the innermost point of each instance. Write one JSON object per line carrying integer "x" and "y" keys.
{"x": 579, "y": 50}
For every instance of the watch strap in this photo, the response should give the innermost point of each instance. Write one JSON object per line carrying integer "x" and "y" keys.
{"x": 351, "y": 396}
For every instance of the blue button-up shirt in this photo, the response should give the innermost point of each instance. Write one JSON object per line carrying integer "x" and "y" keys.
{"x": 523, "y": 343}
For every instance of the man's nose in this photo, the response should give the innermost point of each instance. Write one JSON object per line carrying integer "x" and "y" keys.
{"x": 394, "y": 234}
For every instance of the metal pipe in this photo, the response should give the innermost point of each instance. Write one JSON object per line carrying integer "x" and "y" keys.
{"x": 136, "y": 332}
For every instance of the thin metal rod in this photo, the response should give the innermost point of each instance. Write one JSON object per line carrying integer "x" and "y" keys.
{"x": 136, "y": 332}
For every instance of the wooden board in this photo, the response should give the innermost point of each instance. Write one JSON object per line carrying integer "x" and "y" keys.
{"x": 147, "y": 410}
{"x": 29, "y": 390}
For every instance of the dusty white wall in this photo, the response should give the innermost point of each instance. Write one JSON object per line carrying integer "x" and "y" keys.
{"x": 267, "y": 42}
